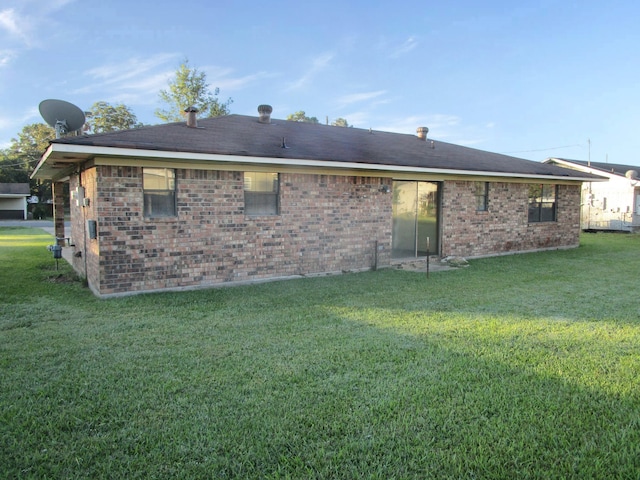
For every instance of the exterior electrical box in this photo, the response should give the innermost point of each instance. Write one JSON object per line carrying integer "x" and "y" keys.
{"x": 92, "y": 226}
{"x": 78, "y": 196}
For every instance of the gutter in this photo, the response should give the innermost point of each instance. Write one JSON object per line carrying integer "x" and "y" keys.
{"x": 83, "y": 153}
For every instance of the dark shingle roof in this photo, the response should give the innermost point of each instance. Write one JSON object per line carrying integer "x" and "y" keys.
{"x": 241, "y": 135}
{"x": 14, "y": 189}
{"x": 616, "y": 168}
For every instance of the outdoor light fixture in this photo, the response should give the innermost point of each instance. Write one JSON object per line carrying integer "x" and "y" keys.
{"x": 385, "y": 189}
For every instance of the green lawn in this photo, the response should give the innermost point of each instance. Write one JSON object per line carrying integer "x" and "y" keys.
{"x": 523, "y": 366}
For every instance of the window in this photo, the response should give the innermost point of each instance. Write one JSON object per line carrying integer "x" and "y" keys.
{"x": 261, "y": 193}
{"x": 542, "y": 203}
{"x": 481, "y": 192}
{"x": 159, "y": 186}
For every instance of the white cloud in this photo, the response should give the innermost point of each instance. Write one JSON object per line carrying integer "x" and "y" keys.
{"x": 408, "y": 45}
{"x": 135, "y": 80}
{"x": 222, "y": 78}
{"x": 468, "y": 142}
{"x": 359, "y": 97}
{"x": 143, "y": 90}
{"x": 26, "y": 24}
{"x": 8, "y": 20}
{"x": 441, "y": 123}
{"x": 444, "y": 127}
{"x": 133, "y": 68}
{"x": 6, "y": 56}
{"x": 358, "y": 119}
{"x": 319, "y": 64}
{"x": 21, "y": 118}
{"x": 6, "y": 122}
{"x": 11, "y": 23}
{"x": 139, "y": 80}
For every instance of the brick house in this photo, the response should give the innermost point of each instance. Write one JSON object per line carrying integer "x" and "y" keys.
{"x": 238, "y": 198}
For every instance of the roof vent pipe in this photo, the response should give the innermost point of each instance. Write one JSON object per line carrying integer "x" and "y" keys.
{"x": 422, "y": 133}
{"x": 192, "y": 116}
{"x": 265, "y": 113}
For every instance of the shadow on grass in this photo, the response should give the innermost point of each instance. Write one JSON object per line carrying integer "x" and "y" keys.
{"x": 380, "y": 375}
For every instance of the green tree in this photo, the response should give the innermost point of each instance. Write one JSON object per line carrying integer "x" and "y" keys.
{"x": 301, "y": 116}
{"x": 190, "y": 88}
{"x": 105, "y": 117}
{"x": 31, "y": 143}
{"x": 24, "y": 154}
{"x": 12, "y": 169}
{"x": 340, "y": 122}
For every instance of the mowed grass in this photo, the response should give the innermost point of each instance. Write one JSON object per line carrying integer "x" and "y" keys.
{"x": 523, "y": 366}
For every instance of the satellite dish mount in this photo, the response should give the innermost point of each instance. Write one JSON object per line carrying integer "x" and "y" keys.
{"x": 65, "y": 117}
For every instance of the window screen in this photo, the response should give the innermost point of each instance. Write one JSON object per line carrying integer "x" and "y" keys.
{"x": 542, "y": 203}
{"x": 261, "y": 193}
{"x": 481, "y": 192}
{"x": 159, "y": 186}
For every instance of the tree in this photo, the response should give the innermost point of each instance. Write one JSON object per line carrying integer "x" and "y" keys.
{"x": 31, "y": 143}
{"x": 25, "y": 152}
{"x": 340, "y": 122}
{"x": 301, "y": 116}
{"x": 190, "y": 88}
{"x": 12, "y": 170}
{"x": 105, "y": 117}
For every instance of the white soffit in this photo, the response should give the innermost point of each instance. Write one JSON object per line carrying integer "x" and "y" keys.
{"x": 87, "y": 152}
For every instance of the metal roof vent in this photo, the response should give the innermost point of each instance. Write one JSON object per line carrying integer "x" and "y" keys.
{"x": 265, "y": 113}
{"x": 192, "y": 116}
{"x": 422, "y": 133}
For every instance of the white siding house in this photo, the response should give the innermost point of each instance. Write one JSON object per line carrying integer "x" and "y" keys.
{"x": 13, "y": 201}
{"x": 611, "y": 205}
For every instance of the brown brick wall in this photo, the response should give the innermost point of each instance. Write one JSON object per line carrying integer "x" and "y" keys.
{"x": 58, "y": 212}
{"x": 86, "y": 259}
{"x": 326, "y": 224}
{"x": 504, "y": 228}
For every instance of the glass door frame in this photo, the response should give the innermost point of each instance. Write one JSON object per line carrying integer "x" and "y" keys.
{"x": 416, "y": 218}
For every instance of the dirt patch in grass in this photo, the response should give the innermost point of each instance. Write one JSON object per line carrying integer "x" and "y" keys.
{"x": 59, "y": 273}
{"x": 63, "y": 278}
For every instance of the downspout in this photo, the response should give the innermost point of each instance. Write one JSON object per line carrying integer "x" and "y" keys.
{"x": 415, "y": 223}
{"x": 84, "y": 228}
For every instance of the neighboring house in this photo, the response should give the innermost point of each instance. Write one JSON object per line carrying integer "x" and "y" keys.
{"x": 239, "y": 198}
{"x": 13, "y": 201}
{"x": 612, "y": 205}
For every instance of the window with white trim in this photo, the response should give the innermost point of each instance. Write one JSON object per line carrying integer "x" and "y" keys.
{"x": 261, "y": 193}
{"x": 159, "y": 189}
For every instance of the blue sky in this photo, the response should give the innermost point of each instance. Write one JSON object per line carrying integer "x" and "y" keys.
{"x": 530, "y": 79}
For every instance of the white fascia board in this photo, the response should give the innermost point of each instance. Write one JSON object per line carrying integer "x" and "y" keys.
{"x": 43, "y": 159}
{"x": 92, "y": 152}
{"x": 584, "y": 168}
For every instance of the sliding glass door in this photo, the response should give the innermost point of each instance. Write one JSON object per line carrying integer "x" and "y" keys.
{"x": 415, "y": 218}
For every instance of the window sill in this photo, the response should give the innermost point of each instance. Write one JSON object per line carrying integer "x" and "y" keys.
{"x": 161, "y": 219}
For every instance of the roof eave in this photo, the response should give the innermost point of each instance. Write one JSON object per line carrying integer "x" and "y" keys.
{"x": 601, "y": 176}
{"x": 81, "y": 153}
{"x": 42, "y": 161}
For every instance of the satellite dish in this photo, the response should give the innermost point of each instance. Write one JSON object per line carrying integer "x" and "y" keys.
{"x": 65, "y": 117}
{"x": 632, "y": 175}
